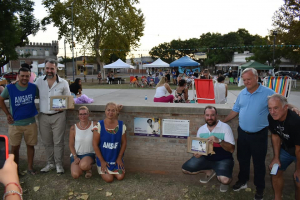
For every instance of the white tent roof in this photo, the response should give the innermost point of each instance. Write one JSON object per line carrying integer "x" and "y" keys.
{"x": 157, "y": 63}
{"x": 118, "y": 64}
{"x": 43, "y": 65}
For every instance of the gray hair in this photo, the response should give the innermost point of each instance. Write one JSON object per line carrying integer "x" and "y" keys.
{"x": 252, "y": 70}
{"x": 279, "y": 97}
{"x": 52, "y": 61}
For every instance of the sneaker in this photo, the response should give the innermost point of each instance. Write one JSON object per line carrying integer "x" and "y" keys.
{"x": 59, "y": 169}
{"x": 259, "y": 195}
{"x": 239, "y": 185}
{"x": 223, "y": 188}
{"x": 206, "y": 179}
{"x": 48, "y": 168}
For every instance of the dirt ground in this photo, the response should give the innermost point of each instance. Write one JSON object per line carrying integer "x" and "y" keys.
{"x": 136, "y": 186}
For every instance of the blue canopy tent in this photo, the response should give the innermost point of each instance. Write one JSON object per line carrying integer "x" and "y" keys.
{"x": 184, "y": 62}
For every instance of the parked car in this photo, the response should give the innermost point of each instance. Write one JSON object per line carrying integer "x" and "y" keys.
{"x": 10, "y": 76}
{"x": 292, "y": 74}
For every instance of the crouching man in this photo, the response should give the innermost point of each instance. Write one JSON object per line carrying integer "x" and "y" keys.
{"x": 221, "y": 163}
{"x": 284, "y": 125}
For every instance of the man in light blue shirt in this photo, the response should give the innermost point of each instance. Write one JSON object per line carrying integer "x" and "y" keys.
{"x": 252, "y": 107}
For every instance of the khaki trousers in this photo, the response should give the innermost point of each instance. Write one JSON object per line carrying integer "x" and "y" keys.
{"x": 52, "y": 130}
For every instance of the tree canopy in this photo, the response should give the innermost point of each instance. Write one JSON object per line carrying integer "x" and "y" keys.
{"x": 17, "y": 23}
{"x": 286, "y": 22}
{"x": 219, "y": 48}
{"x": 104, "y": 27}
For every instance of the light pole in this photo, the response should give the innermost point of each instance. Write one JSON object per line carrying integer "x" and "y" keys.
{"x": 73, "y": 66}
{"x": 274, "y": 33}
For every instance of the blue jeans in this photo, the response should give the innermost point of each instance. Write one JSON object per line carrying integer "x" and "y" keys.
{"x": 221, "y": 167}
{"x": 286, "y": 159}
{"x": 253, "y": 145}
{"x": 92, "y": 155}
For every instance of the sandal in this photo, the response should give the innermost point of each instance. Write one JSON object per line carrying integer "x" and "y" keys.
{"x": 88, "y": 174}
{"x": 31, "y": 172}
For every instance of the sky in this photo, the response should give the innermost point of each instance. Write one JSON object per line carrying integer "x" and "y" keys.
{"x": 166, "y": 20}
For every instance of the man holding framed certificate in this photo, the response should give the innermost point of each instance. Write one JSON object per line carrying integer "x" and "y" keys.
{"x": 52, "y": 120}
{"x": 221, "y": 163}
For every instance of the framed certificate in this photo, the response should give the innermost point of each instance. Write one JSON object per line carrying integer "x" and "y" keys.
{"x": 198, "y": 145}
{"x": 61, "y": 102}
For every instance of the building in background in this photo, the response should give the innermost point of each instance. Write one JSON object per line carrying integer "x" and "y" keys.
{"x": 33, "y": 54}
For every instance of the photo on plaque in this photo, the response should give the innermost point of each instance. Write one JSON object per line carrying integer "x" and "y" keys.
{"x": 59, "y": 103}
{"x": 147, "y": 127}
{"x": 198, "y": 145}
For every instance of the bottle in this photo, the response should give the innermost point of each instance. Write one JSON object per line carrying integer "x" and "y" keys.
{"x": 146, "y": 98}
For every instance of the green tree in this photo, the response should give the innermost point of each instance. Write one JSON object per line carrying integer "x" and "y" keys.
{"x": 17, "y": 22}
{"x": 104, "y": 27}
{"x": 286, "y": 22}
{"x": 164, "y": 52}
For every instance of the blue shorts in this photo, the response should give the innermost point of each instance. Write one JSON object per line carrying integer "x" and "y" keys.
{"x": 221, "y": 167}
{"x": 92, "y": 155}
{"x": 285, "y": 159}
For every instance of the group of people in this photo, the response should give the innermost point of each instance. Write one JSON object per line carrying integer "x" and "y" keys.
{"x": 52, "y": 123}
{"x": 260, "y": 109}
{"x": 164, "y": 92}
{"x": 104, "y": 142}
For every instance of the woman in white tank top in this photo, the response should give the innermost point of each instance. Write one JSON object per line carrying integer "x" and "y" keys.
{"x": 80, "y": 143}
{"x": 162, "y": 88}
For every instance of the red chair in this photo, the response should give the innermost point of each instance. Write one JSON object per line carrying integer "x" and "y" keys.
{"x": 131, "y": 78}
{"x": 205, "y": 91}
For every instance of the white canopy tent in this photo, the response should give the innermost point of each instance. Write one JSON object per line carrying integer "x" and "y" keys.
{"x": 118, "y": 64}
{"x": 157, "y": 63}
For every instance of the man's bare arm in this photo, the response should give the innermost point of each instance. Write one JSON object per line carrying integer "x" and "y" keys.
{"x": 230, "y": 116}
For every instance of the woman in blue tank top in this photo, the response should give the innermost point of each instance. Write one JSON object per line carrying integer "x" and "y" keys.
{"x": 109, "y": 142}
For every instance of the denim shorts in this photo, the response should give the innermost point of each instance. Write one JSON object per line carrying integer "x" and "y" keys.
{"x": 221, "y": 167}
{"x": 285, "y": 159}
{"x": 92, "y": 155}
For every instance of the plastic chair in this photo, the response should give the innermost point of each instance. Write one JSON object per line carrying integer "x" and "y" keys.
{"x": 205, "y": 91}
{"x": 280, "y": 84}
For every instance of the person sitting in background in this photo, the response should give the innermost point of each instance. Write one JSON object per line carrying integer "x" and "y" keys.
{"x": 181, "y": 92}
{"x": 221, "y": 91}
{"x": 162, "y": 88}
{"x": 144, "y": 81}
{"x": 179, "y": 78}
{"x": 109, "y": 142}
{"x": 206, "y": 75}
{"x": 80, "y": 143}
{"x": 135, "y": 81}
{"x": 9, "y": 178}
{"x": 189, "y": 81}
{"x": 76, "y": 87}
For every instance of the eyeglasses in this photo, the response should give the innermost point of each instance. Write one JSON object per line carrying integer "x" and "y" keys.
{"x": 83, "y": 114}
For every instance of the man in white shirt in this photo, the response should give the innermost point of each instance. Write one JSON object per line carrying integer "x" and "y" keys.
{"x": 52, "y": 123}
{"x": 221, "y": 163}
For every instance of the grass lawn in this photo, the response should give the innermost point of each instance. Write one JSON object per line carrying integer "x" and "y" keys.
{"x": 136, "y": 185}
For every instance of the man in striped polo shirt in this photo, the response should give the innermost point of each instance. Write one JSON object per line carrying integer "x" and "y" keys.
{"x": 221, "y": 163}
